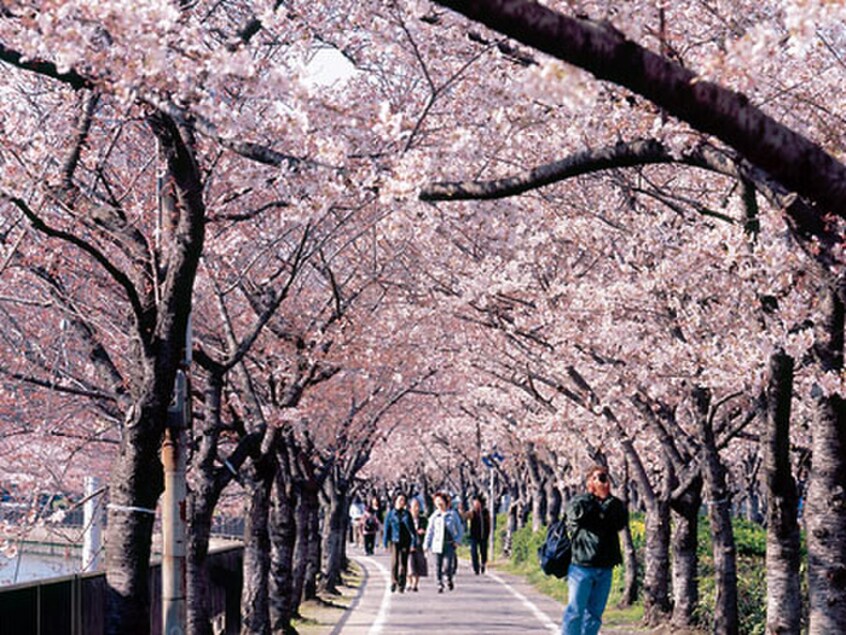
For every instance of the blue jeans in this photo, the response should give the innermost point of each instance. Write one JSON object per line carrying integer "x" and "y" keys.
{"x": 588, "y": 593}
{"x": 446, "y": 563}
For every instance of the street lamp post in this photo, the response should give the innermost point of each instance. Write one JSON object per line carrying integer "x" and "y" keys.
{"x": 492, "y": 461}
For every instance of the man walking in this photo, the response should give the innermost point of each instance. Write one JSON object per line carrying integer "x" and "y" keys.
{"x": 593, "y": 522}
{"x": 398, "y": 535}
{"x": 480, "y": 530}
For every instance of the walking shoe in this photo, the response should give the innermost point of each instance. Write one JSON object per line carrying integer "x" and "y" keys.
{"x": 450, "y": 585}
{"x": 393, "y": 588}
{"x": 441, "y": 589}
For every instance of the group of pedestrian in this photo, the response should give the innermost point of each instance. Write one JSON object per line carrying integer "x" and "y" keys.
{"x": 593, "y": 520}
{"x": 410, "y": 535}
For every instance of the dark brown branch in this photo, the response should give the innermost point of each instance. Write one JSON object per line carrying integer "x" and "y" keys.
{"x": 803, "y": 218}
{"x": 119, "y": 276}
{"x": 797, "y": 162}
{"x": 47, "y": 69}
{"x": 83, "y": 126}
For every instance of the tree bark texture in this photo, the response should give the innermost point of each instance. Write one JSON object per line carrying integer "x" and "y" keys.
{"x": 306, "y": 502}
{"x": 825, "y": 509}
{"x": 202, "y": 499}
{"x": 282, "y": 533}
{"x": 784, "y": 601}
{"x": 334, "y": 534}
{"x": 315, "y": 548}
{"x": 199, "y": 533}
{"x": 656, "y": 576}
{"x": 726, "y": 617}
{"x": 656, "y": 596}
{"x": 135, "y": 485}
{"x": 255, "y": 608}
{"x": 685, "y": 558}
{"x": 553, "y": 501}
{"x": 630, "y": 586}
{"x": 538, "y": 489}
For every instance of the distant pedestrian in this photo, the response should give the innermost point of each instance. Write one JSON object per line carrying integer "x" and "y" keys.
{"x": 398, "y": 536}
{"x": 593, "y": 523}
{"x": 479, "y": 521}
{"x": 456, "y": 510}
{"x": 371, "y": 523}
{"x": 417, "y": 566}
{"x": 442, "y": 536}
{"x": 356, "y": 516}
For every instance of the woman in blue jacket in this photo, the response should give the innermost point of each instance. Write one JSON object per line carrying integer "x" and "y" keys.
{"x": 442, "y": 536}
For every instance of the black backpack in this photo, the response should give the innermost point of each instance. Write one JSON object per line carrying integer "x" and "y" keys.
{"x": 555, "y": 553}
{"x": 371, "y": 525}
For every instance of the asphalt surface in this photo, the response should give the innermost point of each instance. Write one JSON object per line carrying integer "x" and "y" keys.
{"x": 489, "y": 603}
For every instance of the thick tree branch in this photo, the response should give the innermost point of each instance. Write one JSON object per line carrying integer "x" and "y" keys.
{"x": 184, "y": 254}
{"x": 803, "y": 218}
{"x": 119, "y": 276}
{"x": 798, "y": 163}
{"x": 83, "y": 127}
{"x": 47, "y": 69}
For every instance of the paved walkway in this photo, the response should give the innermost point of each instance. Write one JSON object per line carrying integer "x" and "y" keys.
{"x": 489, "y": 603}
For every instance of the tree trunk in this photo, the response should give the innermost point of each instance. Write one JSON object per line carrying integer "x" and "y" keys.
{"x": 202, "y": 499}
{"x": 784, "y": 602}
{"x": 752, "y": 487}
{"x": 656, "y": 592}
{"x": 315, "y": 555}
{"x": 825, "y": 508}
{"x": 538, "y": 493}
{"x": 334, "y": 534}
{"x": 726, "y": 617}
{"x": 630, "y": 587}
{"x": 255, "y": 609}
{"x": 513, "y": 522}
{"x": 306, "y": 500}
{"x": 656, "y": 595}
{"x": 685, "y": 558}
{"x": 137, "y": 477}
{"x": 523, "y": 506}
{"x": 553, "y": 500}
{"x": 282, "y": 533}
{"x": 199, "y": 533}
{"x": 135, "y": 485}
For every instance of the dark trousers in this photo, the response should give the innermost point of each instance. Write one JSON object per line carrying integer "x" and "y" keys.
{"x": 399, "y": 564}
{"x": 369, "y": 542}
{"x": 478, "y": 554}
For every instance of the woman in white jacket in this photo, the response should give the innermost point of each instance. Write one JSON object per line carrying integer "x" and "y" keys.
{"x": 443, "y": 534}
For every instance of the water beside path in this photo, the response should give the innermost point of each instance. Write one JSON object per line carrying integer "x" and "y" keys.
{"x": 29, "y": 567}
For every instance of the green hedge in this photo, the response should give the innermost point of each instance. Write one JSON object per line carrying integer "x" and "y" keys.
{"x": 750, "y": 540}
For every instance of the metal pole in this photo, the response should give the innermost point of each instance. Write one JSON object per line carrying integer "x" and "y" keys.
{"x": 92, "y": 513}
{"x": 174, "y": 584}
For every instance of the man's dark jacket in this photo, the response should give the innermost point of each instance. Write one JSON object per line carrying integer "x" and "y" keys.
{"x": 593, "y": 524}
